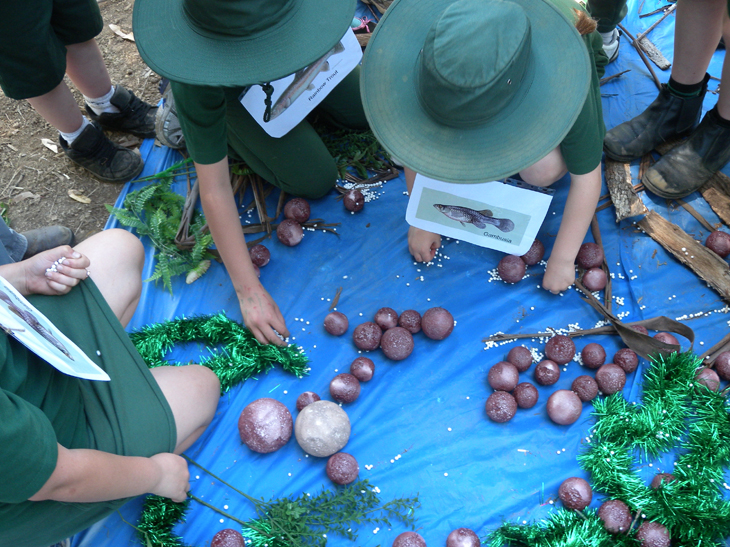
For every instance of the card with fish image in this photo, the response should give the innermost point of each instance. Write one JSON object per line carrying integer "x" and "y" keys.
{"x": 500, "y": 215}
{"x": 21, "y": 320}
{"x": 296, "y": 95}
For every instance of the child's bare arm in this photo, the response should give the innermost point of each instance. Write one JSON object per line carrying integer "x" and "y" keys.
{"x": 421, "y": 244}
{"x": 579, "y": 209}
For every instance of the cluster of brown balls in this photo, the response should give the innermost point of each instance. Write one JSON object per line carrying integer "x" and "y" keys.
{"x": 290, "y": 231}
{"x": 461, "y": 537}
{"x": 590, "y": 259}
{"x": 512, "y": 268}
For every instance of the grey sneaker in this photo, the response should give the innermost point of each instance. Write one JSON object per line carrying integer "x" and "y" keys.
{"x": 610, "y": 44}
{"x": 48, "y": 237}
{"x": 135, "y": 116}
{"x": 167, "y": 126}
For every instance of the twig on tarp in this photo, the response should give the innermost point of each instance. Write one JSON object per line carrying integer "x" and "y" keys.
{"x": 665, "y": 8}
{"x": 692, "y": 211}
{"x": 336, "y": 299}
{"x": 642, "y": 54}
{"x": 667, "y": 13}
{"x": 612, "y": 76}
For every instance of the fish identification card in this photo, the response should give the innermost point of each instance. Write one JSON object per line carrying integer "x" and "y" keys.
{"x": 504, "y": 216}
{"x": 298, "y": 94}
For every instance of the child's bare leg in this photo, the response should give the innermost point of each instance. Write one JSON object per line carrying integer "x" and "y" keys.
{"x": 87, "y": 70}
{"x": 59, "y": 108}
{"x": 546, "y": 171}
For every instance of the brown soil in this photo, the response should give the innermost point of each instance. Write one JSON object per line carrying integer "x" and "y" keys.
{"x": 34, "y": 181}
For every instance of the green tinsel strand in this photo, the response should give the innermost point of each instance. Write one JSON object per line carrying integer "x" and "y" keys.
{"x": 260, "y": 534}
{"x": 159, "y": 515}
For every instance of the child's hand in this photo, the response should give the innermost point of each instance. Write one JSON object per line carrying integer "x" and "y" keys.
{"x": 559, "y": 275}
{"x": 262, "y": 317}
{"x": 174, "y": 477}
{"x": 423, "y": 244}
{"x": 55, "y": 271}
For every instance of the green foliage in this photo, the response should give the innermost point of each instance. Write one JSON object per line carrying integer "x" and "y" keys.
{"x": 357, "y": 149}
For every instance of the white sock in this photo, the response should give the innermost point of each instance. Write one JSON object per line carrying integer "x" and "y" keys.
{"x": 71, "y": 137}
{"x": 101, "y": 105}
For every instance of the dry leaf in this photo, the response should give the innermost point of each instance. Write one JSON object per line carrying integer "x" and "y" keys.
{"x": 52, "y": 146}
{"x": 25, "y": 195}
{"x": 78, "y": 196}
{"x": 119, "y": 32}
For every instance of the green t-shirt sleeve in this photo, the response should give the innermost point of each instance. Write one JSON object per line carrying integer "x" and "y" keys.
{"x": 201, "y": 111}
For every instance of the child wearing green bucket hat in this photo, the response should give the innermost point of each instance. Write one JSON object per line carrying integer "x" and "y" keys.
{"x": 211, "y": 50}
{"x": 484, "y": 89}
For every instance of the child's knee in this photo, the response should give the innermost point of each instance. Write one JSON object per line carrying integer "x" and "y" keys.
{"x": 546, "y": 171}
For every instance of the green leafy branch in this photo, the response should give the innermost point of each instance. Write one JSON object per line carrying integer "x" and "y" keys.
{"x": 359, "y": 150}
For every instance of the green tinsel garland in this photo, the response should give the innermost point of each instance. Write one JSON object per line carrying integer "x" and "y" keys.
{"x": 241, "y": 356}
{"x": 676, "y": 413}
{"x": 159, "y": 515}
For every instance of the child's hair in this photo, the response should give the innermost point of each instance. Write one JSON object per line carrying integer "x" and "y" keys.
{"x": 584, "y": 23}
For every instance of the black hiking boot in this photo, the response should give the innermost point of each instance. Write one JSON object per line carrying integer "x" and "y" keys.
{"x": 667, "y": 117}
{"x": 135, "y": 116}
{"x": 688, "y": 166}
{"x": 48, "y": 237}
{"x": 106, "y": 160}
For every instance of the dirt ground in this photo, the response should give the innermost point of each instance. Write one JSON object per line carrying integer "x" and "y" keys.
{"x": 35, "y": 181}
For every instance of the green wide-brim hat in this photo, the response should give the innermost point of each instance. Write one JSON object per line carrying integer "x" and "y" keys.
{"x": 236, "y": 42}
{"x": 548, "y": 76}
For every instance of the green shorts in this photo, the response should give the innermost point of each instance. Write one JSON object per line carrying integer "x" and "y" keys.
{"x": 33, "y": 39}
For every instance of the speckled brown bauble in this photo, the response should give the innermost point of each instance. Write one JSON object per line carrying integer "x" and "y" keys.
{"x": 397, "y": 343}
{"x": 585, "y": 387}
{"x": 345, "y": 388}
{"x": 593, "y": 355}
{"x": 560, "y": 348}
{"x": 342, "y": 468}
{"x": 722, "y": 365}
{"x": 322, "y": 428}
{"x": 661, "y": 479}
{"x": 547, "y": 372}
{"x": 534, "y": 254}
{"x": 409, "y": 539}
{"x": 336, "y": 323}
{"x": 589, "y": 256}
{"x": 363, "y": 369}
{"x": 503, "y": 376}
{"x": 526, "y": 395}
{"x": 366, "y": 336}
{"x": 719, "y": 243}
{"x": 627, "y": 359}
{"x": 265, "y": 425}
{"x": 306, "y": 398}
{"x": 595, "y": 279}
{"x": 260, "y": 255}
{"x": 289, "y": 232}
{"x": 639, "y": 328}
{"x": 463, "y": 537}
{"x": 411, "y": 321}
{"x": 297, "y": 209}
{"x": 667, "y": 338}
{"x": 610, "y": 378}
{"x": 501, "y": 406}
{"x": 564, "y": 407}
{"x": 520, "y": 357}
{"x": 511, "y": 269}
{"x": 653, "y": 534}
{"x": 353, "y": 200}
{"x": 386, "y": 318}
{"x": 616, "y": 516}
{"x": 575, "y": 493}
{"x": 228, "y": 538}
{"x": 708, "y": 378}
{"x": 437, "y": 323}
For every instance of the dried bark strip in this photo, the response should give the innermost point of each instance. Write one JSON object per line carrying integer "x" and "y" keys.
{"x": 625, "y": 200}
{"x": 716, "y": 192}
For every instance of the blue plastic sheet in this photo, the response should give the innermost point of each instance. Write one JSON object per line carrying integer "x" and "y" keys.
{"x": 419, "y": 426}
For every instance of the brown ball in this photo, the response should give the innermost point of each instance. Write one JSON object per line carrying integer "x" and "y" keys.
{"x": 610, "y": 378}
{"x": 409, "y": 539}
{"x": 336, "y": 323}
{"x": 547, "y": 372}
{"x": 708, "y": 378}
{"x": 627, "y": 359}
{"x": 410, "y": 320}
{"x": 575, "y": 493}
{"x": 667, "y": 338}
{"x": 526, "y": 395}
{"x": 653, "y": 534}
{"x": 564, "y": 407}
{"x": 363, "y": 369}
{"x": 366, "y": 336}
{"x": 593, "y": 355}
{"x": 616, "y": 516}
{"x": 503, "y": 376}
{"x": 585, "y": 388}
{"x": 589, "y": 256}
{"x": 534, "y": 254}
{"x": 661, "y": 479}
{"x": 639, "y": 328}
{"x": 397, "y": 343}
{"x": 260, "y": 255}
{"x": 560, "y": 348}
{"x": 719, "y": 243}
{"x": 306, "y": 398}
{"x": 520, "y": 357}
{"x": 437, "y": 323}
{"x": 463, "y": 537}
{"x": 386, "y": 318}
{"x": 228, "y": 538}
{"x": 501, "y": 406}
{"x": 511, "y": 269}
{"x": 265, "y": 425}
{"x": 297, "y": 209}
{"x": 595, "y": 279}
{"x": 289, "y": 232}
{"x": 345, "y": 388}
{"x": 342, "y": 468}
{"x": 354, "y": 201}
{"x": 722, "y": 365}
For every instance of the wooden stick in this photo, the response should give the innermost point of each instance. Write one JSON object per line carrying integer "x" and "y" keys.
{"x": 612, "y": 76}
{"x": 653, "y": 26}
{"x": 692, "y": 211}
{"x": 642, "y": 55}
